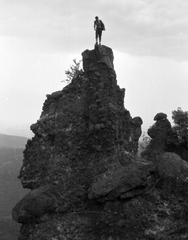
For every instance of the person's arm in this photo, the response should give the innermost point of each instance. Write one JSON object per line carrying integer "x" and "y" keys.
{"x": 94, "y": 25}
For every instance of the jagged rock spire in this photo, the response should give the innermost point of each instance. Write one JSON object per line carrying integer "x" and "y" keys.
{"x": 83, "y": 131}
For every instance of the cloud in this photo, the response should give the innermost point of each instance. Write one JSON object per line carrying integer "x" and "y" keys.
{"x": 155, "y": 28}
{"x": 47, "y": 25}
{"x": 137, "y": 27}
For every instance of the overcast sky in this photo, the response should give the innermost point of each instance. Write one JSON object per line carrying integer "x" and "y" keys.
{"x": 40, "y": 38}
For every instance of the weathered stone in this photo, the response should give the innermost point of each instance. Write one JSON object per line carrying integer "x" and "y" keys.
{"x": 85, "y": 144}
{"x": 160, "y": 116}
{"x": 71, "y": 115}
{"x": 99, "y": 58}
{"x": 160, "y": 129}
{"x": 35, "y": 204}
{"x": 119, "y": 182}
{"x": 164, "y": 139}
{"x": 159, "y": 134}
{"x": 171, "y": 165}
{"x": 137, "y": 121}
{"x": 56, "y": 95}
{"x": 136, "y": 132}
{"x": 97, "y": 126}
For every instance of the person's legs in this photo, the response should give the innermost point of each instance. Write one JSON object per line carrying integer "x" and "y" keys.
{"x": 96, "y": 35}
{"x": 100, "y": 35}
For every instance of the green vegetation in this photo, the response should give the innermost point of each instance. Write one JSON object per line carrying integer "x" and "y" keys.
{"x": 74, "y": 71}
{"x": 180, "y": 119}
{"x": 143, "y": 143}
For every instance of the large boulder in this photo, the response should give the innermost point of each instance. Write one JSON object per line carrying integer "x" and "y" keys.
{"x": 122, "y": 182}
{"x": 171, "y": 165}
{"x": 35, "y": 204}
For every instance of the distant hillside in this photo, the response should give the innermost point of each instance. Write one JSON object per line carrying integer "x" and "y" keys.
{"x": 12, "y": 141}
{"x": 10, "y": 189}
{"x": 11, "y": 157}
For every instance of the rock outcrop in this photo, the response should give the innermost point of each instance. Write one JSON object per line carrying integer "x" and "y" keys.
{"x": 85, "y": 178}
{"x": 97, "y": 59}
{"x": 159, "y": 132}
{"x": 123, "y": 182}
{"x": 35, "y": 204}
{"x": 163, "y": 139}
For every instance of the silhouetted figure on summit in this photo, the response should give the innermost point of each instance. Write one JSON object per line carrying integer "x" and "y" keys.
{"x": 98, "y": 27}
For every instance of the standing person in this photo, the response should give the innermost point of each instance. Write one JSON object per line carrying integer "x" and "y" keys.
{"x": 98, "y": 27}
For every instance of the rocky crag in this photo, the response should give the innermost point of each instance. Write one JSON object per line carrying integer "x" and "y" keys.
{"x": 85, "y": 178}
{"x": 164, "y": 139}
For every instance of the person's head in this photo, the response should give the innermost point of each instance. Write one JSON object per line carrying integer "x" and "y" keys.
{"x": 97, "y": 18}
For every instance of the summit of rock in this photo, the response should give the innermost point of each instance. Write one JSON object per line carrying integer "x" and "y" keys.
{"x": 99, "y": 58}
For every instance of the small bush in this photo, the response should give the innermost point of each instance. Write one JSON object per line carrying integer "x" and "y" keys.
{"x": 74, "y": 71}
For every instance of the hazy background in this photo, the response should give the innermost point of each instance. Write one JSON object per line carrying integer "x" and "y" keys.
{"x": 40, "y": 38}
